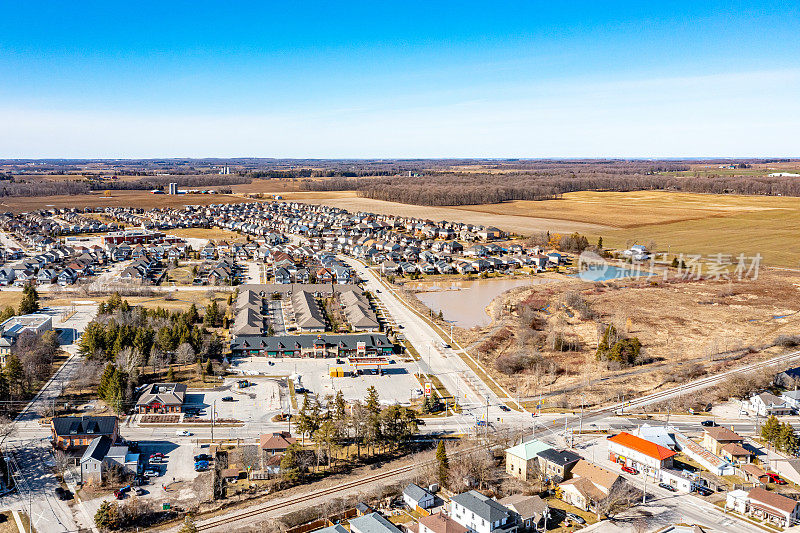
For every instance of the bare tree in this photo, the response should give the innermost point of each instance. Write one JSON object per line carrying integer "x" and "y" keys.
{"x": 185, "y": 354}
{"x": 250, "y": 457}
{"x": 129, "y": 359}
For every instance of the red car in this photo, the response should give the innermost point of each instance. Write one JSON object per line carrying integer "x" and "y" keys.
{"x": 775, "y": 478}
{"x": 157, "y": 454}
{"x": 630, "y": 470}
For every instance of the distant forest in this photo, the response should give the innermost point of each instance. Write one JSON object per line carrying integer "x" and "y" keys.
{"x": 412, "y": 181}
{"x": 547, "y": 180}
{"x": 10, "y": 187}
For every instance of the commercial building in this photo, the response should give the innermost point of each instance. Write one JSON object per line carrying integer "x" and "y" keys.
{"x": 14, "y": 327}
{"x": 162, "y": 398}
{"x": 319, "y": 346}
{"x": 633, "y": 451}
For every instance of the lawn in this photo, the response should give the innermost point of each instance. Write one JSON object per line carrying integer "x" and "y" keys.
{"x": 9, "y": 525}
{"x": 214, "y": 234}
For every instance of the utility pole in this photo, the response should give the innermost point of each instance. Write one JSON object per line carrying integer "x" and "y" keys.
{"x": 213, "y": 412}
{"x": 486, "y": 428}
{"x": 644, "y": 484}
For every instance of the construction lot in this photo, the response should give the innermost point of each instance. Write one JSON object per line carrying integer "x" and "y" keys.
{"x": 397, "y": 384}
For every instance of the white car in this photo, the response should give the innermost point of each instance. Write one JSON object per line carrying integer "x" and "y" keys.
{"x": 182, "y": 433}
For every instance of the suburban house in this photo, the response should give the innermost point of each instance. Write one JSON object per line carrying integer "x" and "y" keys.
{"x": 162, "y": 398}
{"x": 272, "y": 443}
{"x": 557, "y": 464}
{"x": 440, "y": 523}
{"x": 792, "y": 399}
{"x": 481, "y": 514}
{"x": 717, "y": 437}
{"x": 415, "y": 496}
{"x": 102, "y": 454}
{"x": 372, "y": 523}
{"x": 773, "y": 507}
{"x": 767, "y": 404}
{"x": 529, "y": 511}
{"x": 590, "y": 484}
{"x": 522, "y": 459}
{"x": 633, "y": 451}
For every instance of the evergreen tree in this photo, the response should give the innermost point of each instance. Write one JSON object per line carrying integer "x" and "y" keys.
{"x": 442, "y": 464}
{"x": 786, "y": 439}
{"x": 192, "y": 315}
{"x": 770, "y": 429}
{"x": 7, "y": 313}
{"x": 340, "y": 406}
{"x": 209, "y": 367}
{"x": 104, "y": 388}
{"x": 14, "y": 374}
{"x": 289, "y": 466}
{"x": 170, "y": 375}
{"x": 600, "y": 243}
{"x": 372, "y": 402}
{"x": 212, "y": 316}
{"x": 107, "y": 517}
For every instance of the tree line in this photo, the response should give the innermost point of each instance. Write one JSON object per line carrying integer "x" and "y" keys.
{"x": 333, "y": 425}
{"x": 444, "y": 187}
{"x": 126, "y": 339}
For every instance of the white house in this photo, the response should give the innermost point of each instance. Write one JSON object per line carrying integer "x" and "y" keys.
{"x": 480, "y": 514}
{"x": 415, "y": 496}
{"x": 767, "y": 404}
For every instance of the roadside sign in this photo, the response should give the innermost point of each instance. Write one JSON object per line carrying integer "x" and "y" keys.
{"x": 428, "y": 388}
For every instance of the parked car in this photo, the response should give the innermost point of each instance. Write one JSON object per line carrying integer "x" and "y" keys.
{"x": 504, "y": 408}
{"x": 201, "y": 466}
{"x": 151, "y": 473}
{"x": 157, "y": 454}
{"x": 575, "y": 518}
{"x": 156, "y": 460}
{"x": 119, "y": 494}
{"x": 228, "y": 398}
{"x": 138, "y": 491}
{"x": 667, "y": 486}
{"x": 203, "y": 457}
{"x": 630, "y": 470}
{"x": 708, "y": 423}
{"x": 775, "y": 478}
{"x": 183, "y": 433}
{"x": 63, "y": 494}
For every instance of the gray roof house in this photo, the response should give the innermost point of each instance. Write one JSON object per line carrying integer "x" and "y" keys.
{"x": 372, "y": 523}
{"x": 415, "y": 496}
{"x": 481, "y": 514}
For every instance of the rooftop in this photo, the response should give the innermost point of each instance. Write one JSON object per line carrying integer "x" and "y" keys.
{"x": 651, "y": 449}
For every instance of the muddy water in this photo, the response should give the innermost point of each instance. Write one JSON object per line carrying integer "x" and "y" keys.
{"x": 464, "y": 302}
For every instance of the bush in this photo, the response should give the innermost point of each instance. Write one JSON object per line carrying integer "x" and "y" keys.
{"x": 787, "y": 341}
{"x": 512, "y": 363}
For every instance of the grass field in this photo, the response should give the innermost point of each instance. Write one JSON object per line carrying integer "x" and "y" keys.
{"x": 214, "y": 234}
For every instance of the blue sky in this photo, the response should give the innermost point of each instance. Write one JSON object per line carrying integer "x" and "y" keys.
{"x": 399, "y": 79}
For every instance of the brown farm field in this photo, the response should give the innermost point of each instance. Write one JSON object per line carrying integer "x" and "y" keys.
{"x": 143, "y": 199}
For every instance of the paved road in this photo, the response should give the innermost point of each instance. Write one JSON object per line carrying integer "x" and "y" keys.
{"x": 454, "y": 373}
{"x": 30, "y": 449}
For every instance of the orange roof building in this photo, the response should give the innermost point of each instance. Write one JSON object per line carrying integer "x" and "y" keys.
{"x": 636, "y": 452}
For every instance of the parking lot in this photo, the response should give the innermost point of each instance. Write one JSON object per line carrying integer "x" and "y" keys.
{"x": 254, "y": 404}
{"x": 397, "y": 385}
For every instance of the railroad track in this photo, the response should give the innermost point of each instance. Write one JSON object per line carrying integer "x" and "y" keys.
{"x": 701, "y": 383}
{"x": 307, "y": 497}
